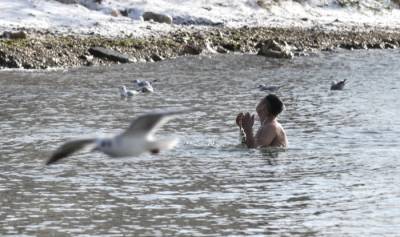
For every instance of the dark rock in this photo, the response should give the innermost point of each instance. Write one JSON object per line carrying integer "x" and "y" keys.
{"x": 376, "y": 45}
{"x": 27, "y": 66}
{"x": 190, "y": 20}
{"x": 14, "y": 35}
{"x": 390, "y": 46}
{"x": 192, "y": 49}
{"x": 124, "y": 12}
{"x": 156, "y": 57}
{"x": 346, "y": 46}
{"x": 354, "y": 45}
{"x": 160, "y": 18}
{"x": 109, "y": 54}
{"x": 8, "y": 61}
{"x": 231, "y": 46}
{"x": 273, "y": 49}
{"x": 222, "y": 50}
{"x": 328, "y": 49}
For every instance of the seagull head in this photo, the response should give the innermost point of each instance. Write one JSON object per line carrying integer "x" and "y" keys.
{"x": 137, "y": 82}
{"x": 147, "y": 84}
{"x": 122, "y": 89}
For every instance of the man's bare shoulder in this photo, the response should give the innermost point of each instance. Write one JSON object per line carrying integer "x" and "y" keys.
{"x": 272, "y": 126}
{"x": 272, "y": 134}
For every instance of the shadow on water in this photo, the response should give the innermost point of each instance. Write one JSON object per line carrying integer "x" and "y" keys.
{"x": 336, "y": 177}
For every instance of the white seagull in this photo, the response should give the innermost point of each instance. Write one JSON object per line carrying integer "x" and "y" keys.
{"x": 125, "y": 92}
{"x": 263, "y": 87}
{"x": 135, "y": 140}
{"x": 144, "y": 86}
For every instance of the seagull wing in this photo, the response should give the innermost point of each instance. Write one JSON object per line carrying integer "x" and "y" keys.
{"x": 68, "y": 148}
{"x": 149, "y": 123}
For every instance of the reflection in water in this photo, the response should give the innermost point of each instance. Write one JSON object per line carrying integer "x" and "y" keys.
{"x": 336, "y": 177}
{"x": 272, "y": 153}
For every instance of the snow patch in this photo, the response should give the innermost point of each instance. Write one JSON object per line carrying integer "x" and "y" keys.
{"x": 90, "y": 17}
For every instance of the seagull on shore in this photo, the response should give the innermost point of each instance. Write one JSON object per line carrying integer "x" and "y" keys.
{"x": 338, "y": 85}
{"x": 263, "y": 87}
{"x": 137, "y": 139}
{"x": 144, "y": 86}
{"x": 125, "y": 92}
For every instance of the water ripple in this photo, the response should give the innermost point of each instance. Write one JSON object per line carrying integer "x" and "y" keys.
{"x": 338, "y": 176}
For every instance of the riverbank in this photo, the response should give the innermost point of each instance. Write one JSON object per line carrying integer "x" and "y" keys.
{"x": 31, "y": 49}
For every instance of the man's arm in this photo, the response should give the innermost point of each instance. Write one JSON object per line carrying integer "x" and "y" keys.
{"x": 250, "y": 140}
{"x": 266, "y": 136}
{"x": 247, "y": 123}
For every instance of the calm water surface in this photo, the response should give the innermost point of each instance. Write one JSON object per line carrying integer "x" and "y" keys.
{"x": 340, "y": 176}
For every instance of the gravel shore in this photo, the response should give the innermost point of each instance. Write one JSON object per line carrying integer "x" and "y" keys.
{"x": 30, "y": 49}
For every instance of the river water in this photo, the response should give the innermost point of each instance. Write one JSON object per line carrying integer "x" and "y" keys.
{"x": 339, "y": 176}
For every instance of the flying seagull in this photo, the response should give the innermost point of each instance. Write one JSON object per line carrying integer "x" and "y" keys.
{"x": 338, "y": 85}
{"x": 135, "y": 140}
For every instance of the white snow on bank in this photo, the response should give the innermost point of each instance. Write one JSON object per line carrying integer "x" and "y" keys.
{"x": 89, "y": 17}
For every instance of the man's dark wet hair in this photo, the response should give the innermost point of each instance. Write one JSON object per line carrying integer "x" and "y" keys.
{"x": 274, "y": 104}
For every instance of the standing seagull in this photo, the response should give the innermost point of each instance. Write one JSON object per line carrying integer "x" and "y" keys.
{"x": 338, "y": 85}
{"x": 135, "y": 140}
{"x": 263, "y": 87}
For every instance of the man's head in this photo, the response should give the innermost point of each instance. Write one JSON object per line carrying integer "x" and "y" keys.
{"x": 271, "y": 105}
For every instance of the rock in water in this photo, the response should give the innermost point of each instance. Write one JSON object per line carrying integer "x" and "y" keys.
{"x": 273, "y": 49}
{"x": 160, "y": 18}
{"x": 109, "y": 54}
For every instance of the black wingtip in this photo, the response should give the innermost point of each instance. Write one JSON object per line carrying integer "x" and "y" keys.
{"x": 53, "y": 159}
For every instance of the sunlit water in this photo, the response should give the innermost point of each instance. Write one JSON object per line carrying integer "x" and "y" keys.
{"x": 340, "y": 176}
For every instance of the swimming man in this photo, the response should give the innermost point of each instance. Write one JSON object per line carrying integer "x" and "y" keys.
{"x": 271, "y": 132}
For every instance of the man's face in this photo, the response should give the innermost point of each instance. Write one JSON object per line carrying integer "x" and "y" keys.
{"x": 261, "y": 109}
